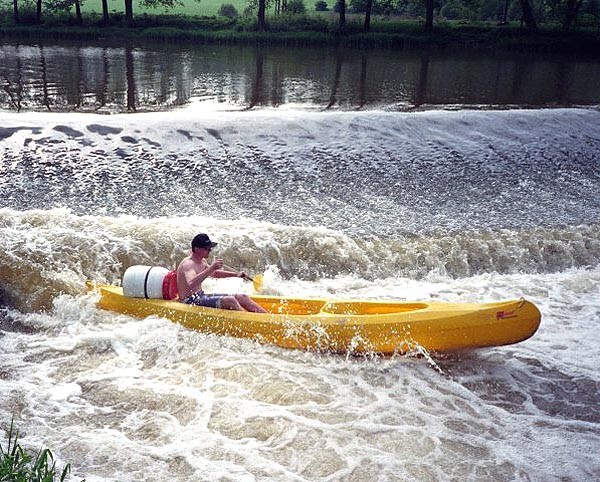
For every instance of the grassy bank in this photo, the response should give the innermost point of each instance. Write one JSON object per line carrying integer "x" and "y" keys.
{"x": 17, "y": 465}
{"x": 306, "y": 30}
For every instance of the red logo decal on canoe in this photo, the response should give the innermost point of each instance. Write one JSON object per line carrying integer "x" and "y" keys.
{"x": 502, "y": 315}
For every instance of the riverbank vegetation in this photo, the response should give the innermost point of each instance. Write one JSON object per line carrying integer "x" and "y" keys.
{"x": 17, "y": 465}
{"x": 572, "y": 25}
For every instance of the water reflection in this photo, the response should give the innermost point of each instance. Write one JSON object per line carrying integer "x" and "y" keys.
{"x": 110, "y": 78}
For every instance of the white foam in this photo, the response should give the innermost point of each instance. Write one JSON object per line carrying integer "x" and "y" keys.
{"x": 126, "y": 399}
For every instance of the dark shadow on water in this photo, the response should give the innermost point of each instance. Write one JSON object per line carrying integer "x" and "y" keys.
{"x": 7, "y": 322}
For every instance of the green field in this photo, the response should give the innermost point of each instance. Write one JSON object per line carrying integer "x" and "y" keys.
{"x": 189, "y": 7}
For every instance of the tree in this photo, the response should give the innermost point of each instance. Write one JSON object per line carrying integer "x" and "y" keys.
{"x": 472, "y": 9}
{"x": 129, "y": 12}
{"x": 342, "y": 7}
{"x": 571, "y": 13}
{"x": 261, "y": 6}
{"x": 16, "y": 11}
{"x": 429, "y": 15}
{"x": 369, "y": 7}
{"x": 528, "y": 17}
{"x": 148, "y": 4}
{"x": 105, "y": 18}
{"x": 78, "y": 12}
{"x": 296, "y": 6}
{"x": 66, "y": 5}
{"x": 228, "y": 10}
{"x": 262, "y": 23}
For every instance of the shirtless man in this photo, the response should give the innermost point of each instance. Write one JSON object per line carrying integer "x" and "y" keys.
{"x": 194, "y": 269}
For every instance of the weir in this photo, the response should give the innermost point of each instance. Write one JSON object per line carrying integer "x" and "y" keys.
{"x": 470, "y": 206}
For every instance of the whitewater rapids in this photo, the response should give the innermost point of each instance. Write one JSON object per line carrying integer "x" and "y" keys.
{"x": 456, "y": 206}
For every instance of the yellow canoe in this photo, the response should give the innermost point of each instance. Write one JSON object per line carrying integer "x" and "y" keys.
{"x": 348, "y": 326}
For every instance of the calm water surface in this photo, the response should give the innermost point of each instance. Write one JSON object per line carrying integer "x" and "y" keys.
{"x": 109, "y": 78}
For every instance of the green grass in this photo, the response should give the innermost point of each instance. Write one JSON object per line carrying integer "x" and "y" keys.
{"x": 16, "y": 465}
{"x": 189, "y": 7}
{"x": 311, "y": 29}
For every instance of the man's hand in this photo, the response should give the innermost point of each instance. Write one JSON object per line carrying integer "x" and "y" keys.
{"x": 216, "y": 265}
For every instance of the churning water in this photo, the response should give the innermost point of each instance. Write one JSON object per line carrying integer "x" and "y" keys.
{"x": 457, "y": 206}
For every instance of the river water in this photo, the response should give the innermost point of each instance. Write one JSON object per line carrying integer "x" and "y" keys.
{"x": 110, "y": 77}
{"x": 464, "y": 205}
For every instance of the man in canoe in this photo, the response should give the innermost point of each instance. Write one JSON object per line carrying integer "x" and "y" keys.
{"x": 194, "y": 269}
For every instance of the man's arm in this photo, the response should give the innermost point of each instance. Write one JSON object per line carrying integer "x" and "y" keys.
{"x": 195, "y": 279}
{"x": 221, "y": 273}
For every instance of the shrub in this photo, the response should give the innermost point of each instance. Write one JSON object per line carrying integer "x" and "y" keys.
{"x": 296, "y": 6}
{"x": 228, "y": 10}
{"x": 452, "y": 11}
{"x": 298, "y": 23}
{"x": 17, "y": 465}
{"x": 357, "y": 6}
{"x": 321, "y": 6}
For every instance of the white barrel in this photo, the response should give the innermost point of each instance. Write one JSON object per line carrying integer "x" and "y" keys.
{"x": 144, "y": 281}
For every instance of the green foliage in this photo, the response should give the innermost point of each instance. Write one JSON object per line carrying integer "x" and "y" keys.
{"x": 357, "y": 6}
{"x": 16, "y": 465}
{"x": 253, "y": 4}
{"x": 296, "y": 6}
{"x": 452, "y": 10}
{"x": 379, "y": 7}
{"x": 166, "y": 4}
{"x": 389, "y": 18}
{"x": 386, "y": 7}
{"x": 545, "y": 11}
{"x": 290, "y": 22}
{"x": 228, "y": 10}
{"x": 60, "y": 5}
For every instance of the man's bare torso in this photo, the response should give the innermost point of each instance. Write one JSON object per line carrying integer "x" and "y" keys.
{"x": 189, "y": 266}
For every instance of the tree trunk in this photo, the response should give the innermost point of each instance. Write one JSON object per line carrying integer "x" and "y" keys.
{"x": 43, "y": 66}
{"x": 421, "y": 87}
{"x": 130, "y": 77}
{"x": 528, "y": 17}
{"x": 129, "y": 12}
{"x": 571, "y": 14}
{"x": 15, "y": 11}
{"x": 262, "y": 24}
{"x": 342, "y": 15}
{"x": 336, "y": 79}
{"x": 362, "y": 84}
{"x": 256, "y": 97}
{"x": 428, "y": 15}
{"x": 505, "y": 13}
{"x": 78, "y": 12}
{"x": 38, "y": 11}
{"x": 369, "y": 7}
{"x": 105, "y": 18}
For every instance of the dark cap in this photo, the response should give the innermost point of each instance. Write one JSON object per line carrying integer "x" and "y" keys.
{"x": 202, "y": 241}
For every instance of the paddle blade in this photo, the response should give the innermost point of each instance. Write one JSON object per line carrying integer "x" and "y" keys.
{"x": 257, "y": 282}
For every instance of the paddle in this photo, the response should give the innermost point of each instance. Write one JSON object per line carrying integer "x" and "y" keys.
{"x": 257, "y": 280}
